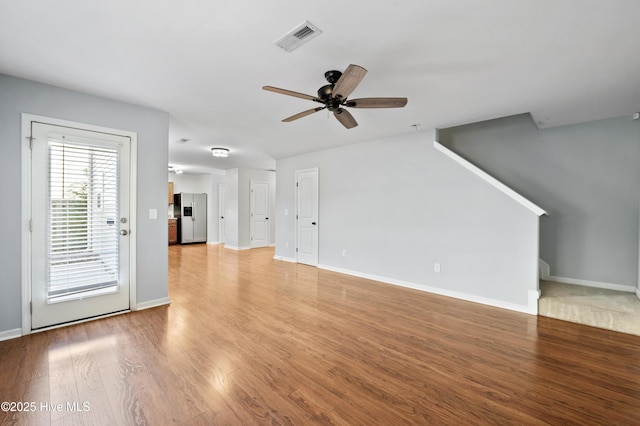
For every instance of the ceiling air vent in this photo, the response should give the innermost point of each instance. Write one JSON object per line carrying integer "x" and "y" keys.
{"x": 298, "y": 36}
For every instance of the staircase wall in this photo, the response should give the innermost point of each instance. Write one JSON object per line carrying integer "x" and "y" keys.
{"x": 587, "y": 177}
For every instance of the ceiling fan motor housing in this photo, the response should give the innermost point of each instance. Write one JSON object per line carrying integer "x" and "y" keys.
{"x": 325, "y": 92}
{"x": 333, "y": 76}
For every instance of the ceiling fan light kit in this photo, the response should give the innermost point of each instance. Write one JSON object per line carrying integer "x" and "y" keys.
{"x": 220, "y": 152}
{"x": 334, "y": 96}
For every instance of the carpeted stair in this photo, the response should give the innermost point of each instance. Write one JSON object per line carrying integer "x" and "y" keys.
{"x": 609, "y": 309}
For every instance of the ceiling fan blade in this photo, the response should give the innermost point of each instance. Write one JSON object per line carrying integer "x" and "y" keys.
{"x": 303, "y": 114}
{"x": 377, "y": 103}
{"x": 349, "y": 80}
{"x": 345, "y": 118}
{"x": 290, "y": 93}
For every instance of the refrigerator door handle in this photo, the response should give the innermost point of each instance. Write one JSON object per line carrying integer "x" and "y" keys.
{"x": 193, "y": 211}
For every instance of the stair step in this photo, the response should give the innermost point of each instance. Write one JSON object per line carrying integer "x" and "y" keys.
{"x": 608, "y": 309}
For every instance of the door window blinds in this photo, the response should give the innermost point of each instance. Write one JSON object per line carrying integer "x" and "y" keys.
{"x": 82, "y": 232}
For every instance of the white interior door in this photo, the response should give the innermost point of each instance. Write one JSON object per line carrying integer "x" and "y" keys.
{"x": 307, "y": 216}
{"x": 259, "y": 214}
{"x": 221, "y": 223}
{"x": 80, "y": 249}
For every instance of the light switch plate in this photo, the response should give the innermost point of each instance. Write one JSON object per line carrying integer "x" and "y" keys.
{"x": 153, "y": 214}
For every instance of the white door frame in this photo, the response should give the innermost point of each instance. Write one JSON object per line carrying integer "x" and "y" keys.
{"x": 26, "y": 210}
{"x": 251, "y": 213}
{"x": 222, "y": 232}
{"x": 317, "y": 241}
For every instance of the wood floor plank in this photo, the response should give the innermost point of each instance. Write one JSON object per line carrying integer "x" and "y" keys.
{"x": 252, "y": 340}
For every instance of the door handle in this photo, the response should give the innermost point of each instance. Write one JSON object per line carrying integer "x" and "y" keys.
{"x": 313, "y": 223}
{"x": 123, "y": 232}
{"x": 266, "y": 218}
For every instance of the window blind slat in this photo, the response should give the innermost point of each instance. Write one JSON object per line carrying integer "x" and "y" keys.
{"x": 82, "y": 251}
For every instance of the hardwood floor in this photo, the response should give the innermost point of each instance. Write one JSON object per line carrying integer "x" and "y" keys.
{"x": 250, "y": 340}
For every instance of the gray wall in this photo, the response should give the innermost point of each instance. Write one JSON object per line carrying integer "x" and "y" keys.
{"x": 586, "y": 176}
{"x": 22, "y": 96}
{"x": 398, "y": 206}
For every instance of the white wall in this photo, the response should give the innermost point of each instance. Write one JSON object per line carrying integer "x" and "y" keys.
{"x": 231, "y": 207}
{"x": 23, "y": 96}
{"x": 237, "y": 204}
{"x": 244, "y": 200}
{"x": 196, "y": 184}
{"x": 215, "y": 179}
{"x": 398, "y": 206}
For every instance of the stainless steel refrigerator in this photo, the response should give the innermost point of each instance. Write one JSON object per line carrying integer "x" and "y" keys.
{"x": 191, "y": 211}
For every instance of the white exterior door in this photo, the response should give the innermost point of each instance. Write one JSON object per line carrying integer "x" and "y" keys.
{"x": 80, "y": 247}
{"x": 259, "y": 214}
{"x": 307, "y": 216}
{"x": 221, "y": 223}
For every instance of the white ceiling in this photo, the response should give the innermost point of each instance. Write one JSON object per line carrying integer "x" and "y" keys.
{"x": 205, "y": 63}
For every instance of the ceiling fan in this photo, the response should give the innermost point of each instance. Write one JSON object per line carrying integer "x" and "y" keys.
{"x": 334, "y": 96}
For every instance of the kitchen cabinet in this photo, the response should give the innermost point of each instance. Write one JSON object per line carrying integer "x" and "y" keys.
{"x": 170, "y": 192}
{"x": 173, "y": 231}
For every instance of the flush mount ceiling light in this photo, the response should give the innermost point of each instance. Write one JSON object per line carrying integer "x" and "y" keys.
{"x": 220, "y": 152}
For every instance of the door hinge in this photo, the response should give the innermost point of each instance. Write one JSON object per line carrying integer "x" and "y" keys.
{"x": 296, "y": 249}
{"x": 30, "y": 138}
{"x": 31, "y": 307}
{"x": 297, "y": 184}
{"x": 30, "y": 225}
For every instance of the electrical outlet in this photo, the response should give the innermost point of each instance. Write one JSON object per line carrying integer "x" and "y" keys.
{"x": 436, "y": 267}
{"x": 344, "y": 252}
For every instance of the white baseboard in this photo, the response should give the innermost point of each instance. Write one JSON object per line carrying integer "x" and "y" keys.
{"x": 534, "y": 296}
{"x": 236, "y": 247}
{"x": 285, "y": 259}
{"x": 545, "y": 274}
{"x": 638, "y": 293}
{"x": 10, "y": 334}
{"x": 529, "y": 309}
{"x": 152, "y": 304}
{"x": 596, "y": 284}
{"x": 213, "y": 242}
{"x": 544, "y": 270}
